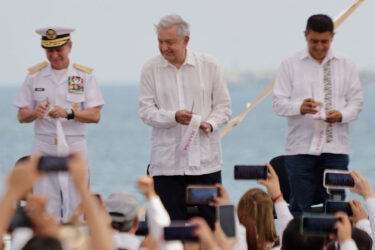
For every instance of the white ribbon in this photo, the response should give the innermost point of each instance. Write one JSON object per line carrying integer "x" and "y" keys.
{"x": 190, "y": 141}
{"x": 62, "y": 144}
{"x": 63, "y": 177}
{"x": 319, "y": 137}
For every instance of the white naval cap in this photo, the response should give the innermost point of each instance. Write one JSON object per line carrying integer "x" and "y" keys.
{"x": 53, "y": 36}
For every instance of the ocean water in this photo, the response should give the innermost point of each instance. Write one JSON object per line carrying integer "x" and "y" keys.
{"x": 119, "y": 145}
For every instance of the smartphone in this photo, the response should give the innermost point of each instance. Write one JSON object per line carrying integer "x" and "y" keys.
{"x": 337, "y": 179}
{"x": 53, "y": 163}
{"x": 225, "y": 215}
{"x": 183, "y": 231}
{"x": 142, "y": 229}
{"x": 201, "y": 194}
{"x": 319, "y": 225}
{"x": 332, "y": 207}
{"x": 19, "y": 219}
{"x": 250, "y": 172}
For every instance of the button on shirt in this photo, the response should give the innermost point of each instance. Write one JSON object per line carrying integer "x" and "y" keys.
{"x": 164, "y": 89}
{"x": 43, "y": 86}
{"x": 300, "y": 77}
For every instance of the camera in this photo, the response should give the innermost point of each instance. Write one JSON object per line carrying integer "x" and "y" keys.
{"x": 19, "y": 219}
{"x": 319, "y": 225}
{"x": 335, "y": 206}
{"x": 337, "y": 179}
{"x": 200, "y": 194}
{"x": 250, "y": 172}
{"x": 53, "y": 163}
{"x": 182, "y": 231}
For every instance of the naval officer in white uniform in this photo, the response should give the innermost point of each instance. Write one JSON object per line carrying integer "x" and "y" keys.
{"x": 59, "y": 92}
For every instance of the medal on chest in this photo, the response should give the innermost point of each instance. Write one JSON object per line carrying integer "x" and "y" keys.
{"x": 75, "y": 85}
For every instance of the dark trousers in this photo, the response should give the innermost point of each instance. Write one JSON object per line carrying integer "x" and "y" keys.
{"x": 304, "y": 171}
{"x": 171, "y": 190}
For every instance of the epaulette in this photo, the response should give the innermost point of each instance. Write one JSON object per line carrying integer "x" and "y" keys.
{"x": 37, "y": 67}
{"x": 83, "y": 68}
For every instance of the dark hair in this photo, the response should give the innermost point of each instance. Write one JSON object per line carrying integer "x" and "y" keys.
{"x": 320, "y": 23}
{"x": 22, "y": 159}
{"x": 362, "y": 239}
{"x": 40, "y": 242}
{"x": 251, "y": 232}
{"x": 294, "y": 240}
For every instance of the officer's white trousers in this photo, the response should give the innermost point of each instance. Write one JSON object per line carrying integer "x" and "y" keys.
{"x": 58, "y": 186}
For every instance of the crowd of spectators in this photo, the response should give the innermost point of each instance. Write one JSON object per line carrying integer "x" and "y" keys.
{"x": 262, "y": 219}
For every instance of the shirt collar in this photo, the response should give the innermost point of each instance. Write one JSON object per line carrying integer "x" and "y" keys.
{"x": 189, "y": 60}
{"x": 305, "y": 54}
{"x": 49, "y": 70}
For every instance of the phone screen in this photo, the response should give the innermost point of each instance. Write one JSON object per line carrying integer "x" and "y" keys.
{"x": 250, "y": 172}
{"x": 201, "y": 195}
{"x": 318, "y": 225}
{"x": 180, "y": 232}
{"x": 339, "y": 179}
{"x": 335, "y": 206}
{"x": 19, "y": 219}
{"x": 53, "y": 163}
{"x": 225, "y": 214}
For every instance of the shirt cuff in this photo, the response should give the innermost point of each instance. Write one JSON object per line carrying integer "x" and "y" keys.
{"x": 348, "y": 245}
{"x": 370, "y": 204}
{"x": 213, "y": 125}
{"x": 296, "y": 108}
{"x": 344, "y": 116}
{"x": 362, "y": 223}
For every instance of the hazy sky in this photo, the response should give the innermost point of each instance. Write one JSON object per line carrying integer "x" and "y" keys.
{"x": 116, "y": 37}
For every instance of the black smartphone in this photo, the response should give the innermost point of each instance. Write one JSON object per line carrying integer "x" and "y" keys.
{"x": 225, "y": 215}
{"x": 142, "y": 229}
{"x": 250, "y": 172}
{"x": 53, "y": 163}
{"x": 200, "y": 194}
{"x": 318, "y": 225}
{"x": 182, "y": 231}
{"x": 19, "y": 219}
{"x": 332, "y": 207}
{"x": 337, "y": 179}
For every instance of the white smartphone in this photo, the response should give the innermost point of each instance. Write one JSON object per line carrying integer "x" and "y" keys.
{"x": 337, "y": 179}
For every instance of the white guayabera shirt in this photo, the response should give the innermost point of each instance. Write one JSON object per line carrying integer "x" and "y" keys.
{"x": 301, "y": 77}
{"x": 164, "y": 89}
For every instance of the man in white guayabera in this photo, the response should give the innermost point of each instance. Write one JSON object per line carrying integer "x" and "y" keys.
{"x": 318, "y": 90}
{"x": 184, "y": 98}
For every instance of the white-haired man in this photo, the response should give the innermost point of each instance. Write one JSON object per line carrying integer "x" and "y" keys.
{"x": 184, "y": 98}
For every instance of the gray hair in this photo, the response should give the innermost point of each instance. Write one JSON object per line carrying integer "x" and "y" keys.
{"x": 168, "y": 21}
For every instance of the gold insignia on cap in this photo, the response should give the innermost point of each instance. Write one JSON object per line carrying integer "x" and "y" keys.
{"x": 75, "y": 106}
{"x": 51, "y": 34}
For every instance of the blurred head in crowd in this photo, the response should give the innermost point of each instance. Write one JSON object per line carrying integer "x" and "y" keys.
{"x": 122, "y": 207}
{"x": 293, "y": 239}
{"x": 40, "y": 242}
{"x": 257, "y": 204}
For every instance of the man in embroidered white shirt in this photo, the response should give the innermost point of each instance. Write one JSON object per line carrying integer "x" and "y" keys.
{"x": 319, "y": 92}
{"x": 184, "y": 98}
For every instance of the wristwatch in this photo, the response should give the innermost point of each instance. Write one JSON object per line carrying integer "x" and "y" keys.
{"x": 70, "y": 113}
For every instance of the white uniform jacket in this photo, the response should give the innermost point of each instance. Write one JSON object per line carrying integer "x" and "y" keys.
{"x": 199, "y": 85}
{"x": 77, "y": 90}
{"x": 300, "y": 77}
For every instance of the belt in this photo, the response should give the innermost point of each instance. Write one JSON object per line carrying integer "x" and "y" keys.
{"x": 52, "y": 139}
